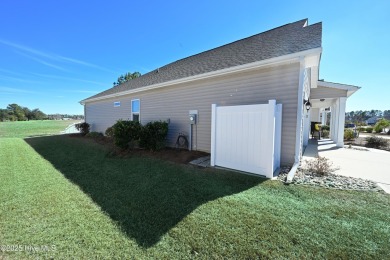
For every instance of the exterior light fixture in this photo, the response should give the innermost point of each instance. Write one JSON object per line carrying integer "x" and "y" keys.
{"x": 307, "y": 104}
{"x": 322, "y": 99}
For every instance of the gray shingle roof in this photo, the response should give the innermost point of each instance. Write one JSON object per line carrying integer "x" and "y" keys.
{"x": 287, "y": 39}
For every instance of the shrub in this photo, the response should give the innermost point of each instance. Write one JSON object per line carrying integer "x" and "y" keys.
{"x": 320, "y": 165}
{"x": 325, "y": 127}
{"x": 360, "y": 129}
{"x": 125, "y": 132}
{"x": 378, "y": 129}
{"x": 348, "y": 134}
{"x": 83, "y": 128}
{"x": 376, "y": 142}
{"x": 109, "y": 132}
{"x": 381, "y": 124}
{"x": 153, "y": 135}
{"x": 369, "y": 129}
{"x": 94, "y": 134}
{"x": 325, "y": 133}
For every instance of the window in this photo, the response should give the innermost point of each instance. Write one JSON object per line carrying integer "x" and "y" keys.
{"x": 117, "y": 104}
{"x": 135, "y": 110}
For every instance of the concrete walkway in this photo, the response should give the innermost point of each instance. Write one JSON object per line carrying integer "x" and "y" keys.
{"x": 358, "y": 162}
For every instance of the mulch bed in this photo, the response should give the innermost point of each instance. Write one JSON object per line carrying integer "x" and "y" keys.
{"x": 361, "y": 141}
{"x": 179, "y": 156}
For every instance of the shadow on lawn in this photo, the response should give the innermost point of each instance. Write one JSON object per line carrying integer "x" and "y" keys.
{"x": 146, "y": 197}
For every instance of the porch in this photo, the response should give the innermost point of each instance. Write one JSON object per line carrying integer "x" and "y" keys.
{"x": 328, "y": 102}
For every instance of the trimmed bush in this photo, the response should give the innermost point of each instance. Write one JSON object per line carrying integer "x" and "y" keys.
{"x": 325, "y": 133}
{"x": 83, "y": 128}
{"x": 94, "y": 134}
{"x": 321, "y": 166}
{"x": 109, "y": 132}
{"x": 125, "y": 132}
{"x": 360, "y": 129}
{"x": 378, "y": 129}
{"x": 348, "y": 134}
{"x": 381, "y": 125}
{"x": 376, "y": 142}
{"x": 153, "y": 135}
{"x": 325, "y": 127}
{"x": 369, "y": 129}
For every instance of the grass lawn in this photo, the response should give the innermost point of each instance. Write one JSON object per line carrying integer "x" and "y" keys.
{"x": 24, "y": 129}
{"x": 66, "y": 193}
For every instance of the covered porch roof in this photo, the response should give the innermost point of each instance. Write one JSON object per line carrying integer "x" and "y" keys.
{"x": 334, "y": 96}
{"x": 327, "y": 93}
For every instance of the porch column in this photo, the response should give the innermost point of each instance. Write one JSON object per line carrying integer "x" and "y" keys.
{"x": 340, "y": 121}
{"x": 324, "y": 116}
{"x": 306, "y": 127}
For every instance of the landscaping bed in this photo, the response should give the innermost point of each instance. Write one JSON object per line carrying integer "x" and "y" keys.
{"x": 330, "y": 181}
{"x": 181, "y": 156}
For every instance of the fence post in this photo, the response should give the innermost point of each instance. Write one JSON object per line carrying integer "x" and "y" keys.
{"x": 271, "y": 138}
{"x": 213, "y": 133}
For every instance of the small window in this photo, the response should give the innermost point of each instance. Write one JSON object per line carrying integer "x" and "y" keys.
{"x": 135, "y": 110}
{"x": 117, "y": 104}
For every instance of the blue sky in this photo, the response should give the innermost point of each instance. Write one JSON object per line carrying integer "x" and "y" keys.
{"x": 55, "y": 53}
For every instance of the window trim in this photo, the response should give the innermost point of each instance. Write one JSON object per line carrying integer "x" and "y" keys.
{"x": 136, "y": 113}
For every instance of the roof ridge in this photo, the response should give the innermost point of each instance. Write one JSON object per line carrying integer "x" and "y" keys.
{"x": 231, "y": 43}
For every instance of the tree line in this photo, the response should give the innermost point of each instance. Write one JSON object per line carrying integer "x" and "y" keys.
{"x": 15, "y": 112}
{"x": 362, "y": 116}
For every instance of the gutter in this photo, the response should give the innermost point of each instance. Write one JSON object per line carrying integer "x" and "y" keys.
{"x": 292, "y": 172}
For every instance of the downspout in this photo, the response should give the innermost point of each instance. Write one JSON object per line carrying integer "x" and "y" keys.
{"x": 298, "y": 135}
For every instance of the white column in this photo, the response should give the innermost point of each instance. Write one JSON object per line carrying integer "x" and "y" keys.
{"x": 306, "y": 127}
{"x": 341, "y": 103}
{"x": 332, "y": 122}
{"x": 324, "y": 116}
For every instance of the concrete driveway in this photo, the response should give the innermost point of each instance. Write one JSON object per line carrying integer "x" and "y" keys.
{"x": 358, "y": 162}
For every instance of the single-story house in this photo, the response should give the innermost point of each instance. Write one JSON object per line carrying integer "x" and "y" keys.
{"x": 278, "y": 69}
{"x": 373, "y": 120}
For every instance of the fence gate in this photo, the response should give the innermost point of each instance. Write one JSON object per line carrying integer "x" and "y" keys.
{"x": 247, "y": 138}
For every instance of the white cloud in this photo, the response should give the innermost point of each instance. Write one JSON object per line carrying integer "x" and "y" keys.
{"x": 69, "y": 78}
{"x": 7, "y": 90}
{"x": 41, "y": 61}
{"x": 52, "y": 56}
{"x": 83, "y": 91}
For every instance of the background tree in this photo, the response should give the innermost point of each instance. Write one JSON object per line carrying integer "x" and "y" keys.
{"x": 16, "y": 112}
{"x": 37, "y": 114}
{"x": 27, "y": 113}
{"x": 126, "y": 77}
{"x": 386, "y": 114}
{"x": 4, "y": 115}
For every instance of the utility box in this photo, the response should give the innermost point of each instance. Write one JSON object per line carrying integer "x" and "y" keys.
{"x": 192, "y": 118}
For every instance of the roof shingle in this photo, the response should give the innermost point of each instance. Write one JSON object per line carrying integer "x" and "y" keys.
{"x": 283, "y": 40}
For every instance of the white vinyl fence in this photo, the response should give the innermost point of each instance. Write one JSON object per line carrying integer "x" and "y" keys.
{"x": 247, "y": 138}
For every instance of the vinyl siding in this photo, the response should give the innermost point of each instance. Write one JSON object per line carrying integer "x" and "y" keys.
{"x": 325, "y": 92}
{"x": 174, "y": 102}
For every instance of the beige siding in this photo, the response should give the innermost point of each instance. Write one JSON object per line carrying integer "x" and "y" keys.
{"x": 325, "y": 92}
{"x": 174, "y": 103}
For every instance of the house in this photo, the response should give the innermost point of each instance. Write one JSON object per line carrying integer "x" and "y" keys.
{"x": 373, "y": 120}
{"x": 278, "y": 67}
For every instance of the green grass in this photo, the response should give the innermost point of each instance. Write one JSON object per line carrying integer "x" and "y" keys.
{"x": 24, "y": 129}
{"x": 67, "y": 192}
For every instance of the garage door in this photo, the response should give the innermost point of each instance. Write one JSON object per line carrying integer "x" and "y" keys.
{"x": 247, "y": 138}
